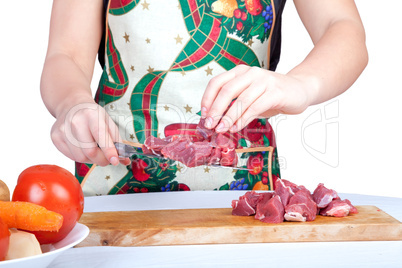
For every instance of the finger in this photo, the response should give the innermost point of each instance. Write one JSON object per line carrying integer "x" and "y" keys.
{"x": 255, "y": 110}
{"x": 85, "y": 144}
{"x": 245, "y": 99}
{"x": 57, "y": 134}
{"x": 63, "y": 148}
{"x": 106, "y": 152}
{"x": 214, "y": 86}
{"x": 115, "y": 136}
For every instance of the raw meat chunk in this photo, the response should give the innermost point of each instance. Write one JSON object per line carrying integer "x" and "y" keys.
{"x": 292, "y": 185}
{"x": 353, "y": 210}
{"x": 190, "y": 153}
{"x": 228, "y": 157}
{"x": 202, "y": 131}
{"x": 206, "y": 147}
{"x": 215, "y": 157}
{"x": 271, "y": 210}
{"x": 323, "y": 196}
{"x": 338, "y": 208}
{"x": 285, "y": 192}
{"x": 247, "y": 203}
{"x": 300, "y": 203}
{"x": 301, "y": 207}
{"x": 254, "y": 197}
{"x": 222, "y": 141}
{"x": 241, "y": 207}
{"x": 154, "y": 145}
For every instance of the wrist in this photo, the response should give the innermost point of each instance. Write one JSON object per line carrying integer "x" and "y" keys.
{"x": 310, "y": 85}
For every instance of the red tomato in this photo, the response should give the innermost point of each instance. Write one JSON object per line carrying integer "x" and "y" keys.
{"x": 4, "y": 240}
{"x": 56, "y": 189}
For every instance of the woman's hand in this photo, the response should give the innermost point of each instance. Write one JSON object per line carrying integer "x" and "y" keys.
{"x": 258, "y": 93}
{"x": 86, "y": 134}
{"x": 332, "y": 66}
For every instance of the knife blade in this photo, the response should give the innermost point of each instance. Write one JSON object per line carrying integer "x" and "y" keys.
{"x": 126, "y": 150}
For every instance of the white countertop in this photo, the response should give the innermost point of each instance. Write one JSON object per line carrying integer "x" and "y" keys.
{"x": 300, "y": 254}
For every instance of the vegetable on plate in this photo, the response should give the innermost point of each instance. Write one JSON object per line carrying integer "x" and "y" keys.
{"x": 56, "y": 189}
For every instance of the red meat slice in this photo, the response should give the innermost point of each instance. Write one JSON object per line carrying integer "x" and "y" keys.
{"x": 285, "y": 192}
{"x": 253, "y": 197}
{"x": 242, "y": 208}
{"x": 174, "y": 149}
{"x": 228, "y": 157}
{"x": 222, "y": 141}
{"x": 338, "y": 208}
{"x": 301, "y": 207}
{"x": 153, "y": 145}
{"x": 215, "y": 157}
{"x": 196, "y": 154}
{"x": 292, "y": 185}
{"x": 189, "y": 153}
{"x": 263, "y": 199}
{"x": 353, "y": 210}
{"x": 271, "y": 210}
{"x": 206, "y": 147}
{"x": 247, "y": 203}
{"x": 295, "y": 188}
{"x": 323, "y": 196}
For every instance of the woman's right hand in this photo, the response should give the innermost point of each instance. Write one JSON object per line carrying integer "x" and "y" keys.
{"x": 86, "y": 134}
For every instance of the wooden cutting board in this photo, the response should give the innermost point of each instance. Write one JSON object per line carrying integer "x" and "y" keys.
{"x": 217, "y": 226}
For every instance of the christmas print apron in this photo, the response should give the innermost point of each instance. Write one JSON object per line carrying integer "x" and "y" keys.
{"x": 158, "y": 58}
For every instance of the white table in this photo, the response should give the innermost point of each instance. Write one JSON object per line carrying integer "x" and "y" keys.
{"x": 306, "y": 254}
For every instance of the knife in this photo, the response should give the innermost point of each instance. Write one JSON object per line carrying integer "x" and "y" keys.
{"x": 126, "y": 150}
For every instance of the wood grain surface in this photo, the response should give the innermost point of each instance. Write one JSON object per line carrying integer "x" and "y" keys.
{"x": 217, "y": 226}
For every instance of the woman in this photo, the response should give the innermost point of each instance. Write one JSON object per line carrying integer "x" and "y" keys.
{"x": 166, "y": 64}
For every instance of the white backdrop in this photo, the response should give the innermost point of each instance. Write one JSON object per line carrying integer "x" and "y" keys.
{"x": 351, "y": 143}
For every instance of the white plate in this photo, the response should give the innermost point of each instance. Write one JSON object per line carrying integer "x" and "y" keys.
{"x": 51, "y": 251}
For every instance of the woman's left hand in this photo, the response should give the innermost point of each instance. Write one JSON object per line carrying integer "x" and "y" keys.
{"x": 258, "y": 93}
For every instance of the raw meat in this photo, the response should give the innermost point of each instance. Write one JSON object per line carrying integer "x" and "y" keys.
{"x": 323, "y": 196}
{"x": 270, "y": 210}
{"x": 285, "y": 192}
{"x": 338, "y": 208}
{"x": 242, "y": 208}
{"x": 353, "y": 210}
{"x": 154, "y": 145}
{"x": 206, "y": 147}
{"x": 300, "y": 203}
{"x": 228, "y": 157}
{"x": 202, "y": 131}
{"x": 247, "y": 203}
{"x": 254, "y": 197}
{"x": 301, "y": 207}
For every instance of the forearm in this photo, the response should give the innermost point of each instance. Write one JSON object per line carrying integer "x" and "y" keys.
{"x": 64, "y": 84}
{"x": 335, "y": 62}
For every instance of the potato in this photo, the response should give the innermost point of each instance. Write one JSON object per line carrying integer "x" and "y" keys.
{"x": 22, "y": 244}
{"x": 4, "y": 192}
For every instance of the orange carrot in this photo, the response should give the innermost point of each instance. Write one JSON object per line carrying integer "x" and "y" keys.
{"x": 29, "y": 216}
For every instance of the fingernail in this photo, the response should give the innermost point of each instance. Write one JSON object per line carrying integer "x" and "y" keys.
{"x": 114, "y": 161}
{"x": 203, "y": 112}
{"x": 220, "y": 127}
{"x": 233, "y": 128}
{"x": 208, "y": 122}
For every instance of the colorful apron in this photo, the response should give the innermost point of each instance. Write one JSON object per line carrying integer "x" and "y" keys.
{"x": 159, "y": 57}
